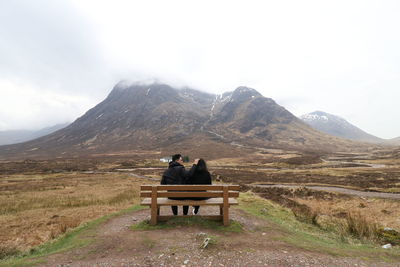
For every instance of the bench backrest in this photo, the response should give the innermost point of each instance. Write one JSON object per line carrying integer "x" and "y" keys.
{"x": 208, "y": 191}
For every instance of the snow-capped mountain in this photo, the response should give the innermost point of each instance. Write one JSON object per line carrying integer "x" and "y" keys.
{"x": 337, "y": 126}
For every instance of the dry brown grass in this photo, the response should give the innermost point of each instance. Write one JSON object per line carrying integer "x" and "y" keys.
{"x": 360, "y": 227}
{"x": 363, "y": 219}
{"x": 381, "y": 211}
{"x": 37, "y": 208}
{"x": 357, "y": 217}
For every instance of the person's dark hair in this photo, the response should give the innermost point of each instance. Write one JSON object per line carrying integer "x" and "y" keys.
{"x": 201, "y": 166}
{"x": 176, "y": 157}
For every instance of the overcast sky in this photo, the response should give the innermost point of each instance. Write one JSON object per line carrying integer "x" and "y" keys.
{"x": 60, "y": 58}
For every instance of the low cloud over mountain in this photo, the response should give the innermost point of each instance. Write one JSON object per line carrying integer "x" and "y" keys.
{"x": 158, "y": 117}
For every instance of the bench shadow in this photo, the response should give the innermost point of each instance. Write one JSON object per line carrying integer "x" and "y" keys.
{"x": 189, "y": 221}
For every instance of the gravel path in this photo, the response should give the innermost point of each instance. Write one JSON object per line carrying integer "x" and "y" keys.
{"x": 117, "y": 245}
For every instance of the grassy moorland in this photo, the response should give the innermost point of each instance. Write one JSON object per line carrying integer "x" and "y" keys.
{"x": 302, "y": 232}
{"x": 43, "y": 201}
{"x": 282, "y": 228}
{"x": 36, "y": 208}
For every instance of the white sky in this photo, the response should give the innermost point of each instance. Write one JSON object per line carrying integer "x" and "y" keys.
{"x": 60, "y": 58}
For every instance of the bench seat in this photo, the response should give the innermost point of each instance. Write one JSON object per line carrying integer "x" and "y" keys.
{"x": 218, "y": 201}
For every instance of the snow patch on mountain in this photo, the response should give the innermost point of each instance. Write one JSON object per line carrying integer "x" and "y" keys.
{"x": 337, "y": 126}
{"x": 313, "y": 117}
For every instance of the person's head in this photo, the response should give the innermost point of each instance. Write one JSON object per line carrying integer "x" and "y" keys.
{"x": 177, "y": 158}
{"x": 201, "y": 165}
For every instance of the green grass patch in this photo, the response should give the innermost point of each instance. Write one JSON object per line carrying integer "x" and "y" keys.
{"x": 78, "y": 237}
{"x": 311, "y": 237}
{"x": 234, "y": 226}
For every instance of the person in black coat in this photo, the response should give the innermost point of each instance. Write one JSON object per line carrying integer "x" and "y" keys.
{"x": 177, "y": 174}
{"x": 200, "y": 176}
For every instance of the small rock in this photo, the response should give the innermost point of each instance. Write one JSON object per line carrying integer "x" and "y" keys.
{"x": 186, "y": 262}
{"x": 134, "y": 219}
{"x": 387, "y": 246}
{"x": 388, "y": 229}
{"x": 205, "y": 242}
{"x": 264, "y": 233}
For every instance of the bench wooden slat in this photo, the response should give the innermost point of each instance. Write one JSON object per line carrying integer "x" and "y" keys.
{"x": 189, "y": 194}
{"x": 190, "y": 187}
{"x": 172, "y": 202}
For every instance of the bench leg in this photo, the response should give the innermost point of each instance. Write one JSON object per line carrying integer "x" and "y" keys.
{"x": 153, "y": 219}
{"x": 225, "y": 207}
{"x": 154, "y": 207}
{"x": 225, "y": 215}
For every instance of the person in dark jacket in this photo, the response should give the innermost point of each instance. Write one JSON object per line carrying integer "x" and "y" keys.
{"x": 200, "y": 176}
{"x": 177, "y": 174}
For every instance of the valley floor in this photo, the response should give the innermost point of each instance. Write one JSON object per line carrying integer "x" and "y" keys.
{"x": 52, "y": 214}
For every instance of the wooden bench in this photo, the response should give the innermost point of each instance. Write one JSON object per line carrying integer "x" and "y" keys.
{"x": 219, "y": 195}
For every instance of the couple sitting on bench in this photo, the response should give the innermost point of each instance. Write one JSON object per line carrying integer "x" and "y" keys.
{"x": 176, "y": 174}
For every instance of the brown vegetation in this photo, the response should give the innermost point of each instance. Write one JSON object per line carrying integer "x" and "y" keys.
{"x": 348, "y": 216}
{"x": 38, "y": 207}
{"x": 41, "y": 199}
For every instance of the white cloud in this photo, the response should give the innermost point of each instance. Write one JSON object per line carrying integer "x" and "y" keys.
{"x": 339, "y": 56}
{"x": 27, "y": 107}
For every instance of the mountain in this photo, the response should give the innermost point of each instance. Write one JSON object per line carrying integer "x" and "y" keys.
{"x": 161, "y": 119}
{"x": 337, "y": 126}
{"x": 393, "y": 141}
{"x": 19, "y": 136}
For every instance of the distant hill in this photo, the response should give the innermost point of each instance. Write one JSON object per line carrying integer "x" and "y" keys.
{"x": 160, "y": 118}
{"x": 394, "y": 141}
{"x": 337, "y": 126}
{"x": 19, "y": 136}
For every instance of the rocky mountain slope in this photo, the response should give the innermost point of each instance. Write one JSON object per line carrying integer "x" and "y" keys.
{"x": 337, "y": 126}
{"x": 157, "y": 117}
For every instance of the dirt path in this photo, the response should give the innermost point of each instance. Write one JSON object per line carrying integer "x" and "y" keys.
{"x": 339, "y": 190}
{"x": 258, "y": 245}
